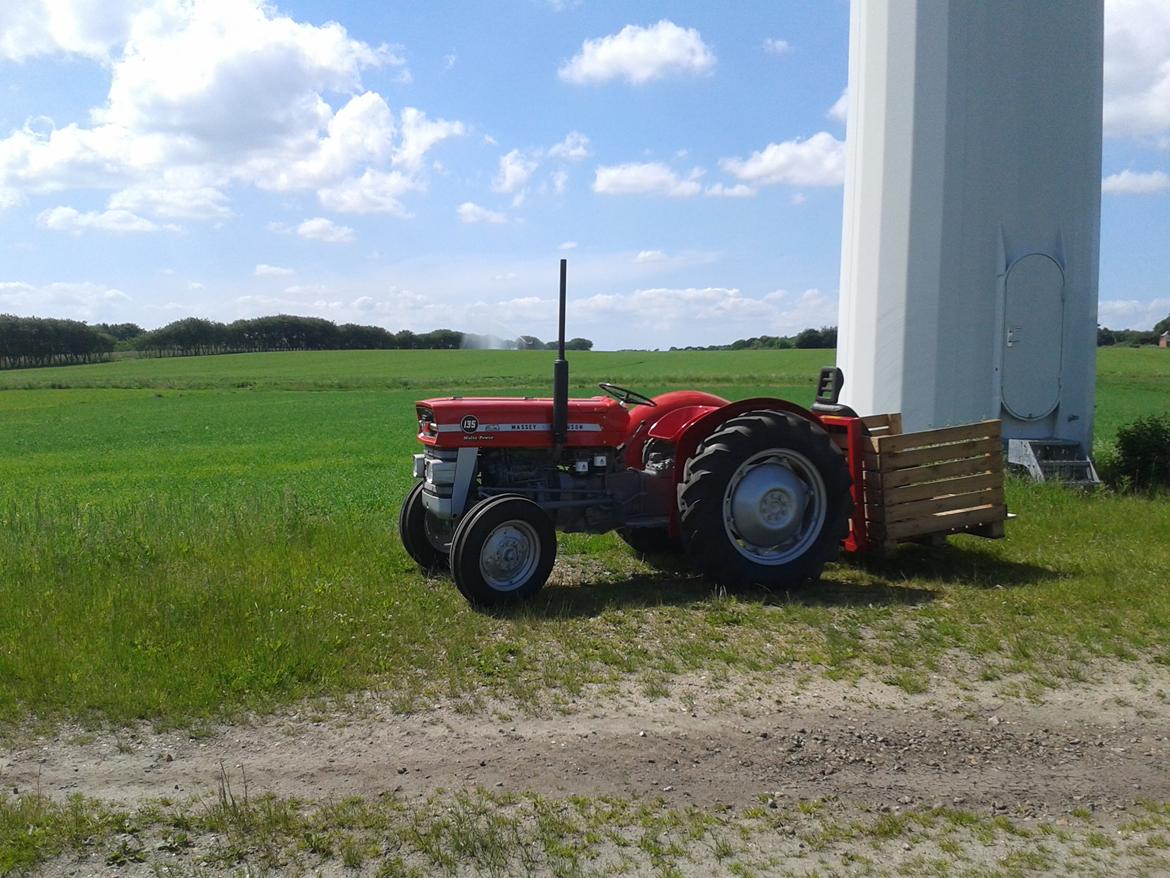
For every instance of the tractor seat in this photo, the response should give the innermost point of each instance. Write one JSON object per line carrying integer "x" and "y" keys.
{"x": 829, "y": 387}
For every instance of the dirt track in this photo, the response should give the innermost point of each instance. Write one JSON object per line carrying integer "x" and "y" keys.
{"x": 1100, "y": 746}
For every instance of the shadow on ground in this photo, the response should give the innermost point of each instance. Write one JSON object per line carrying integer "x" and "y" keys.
{"x": 671, "y": 588}
{"x": 894, "y": 581}
{"x": 954, "y": 564}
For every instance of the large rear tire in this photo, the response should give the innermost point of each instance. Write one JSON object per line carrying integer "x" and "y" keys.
{"x": 503, "y": 551}
{"x": 412, "y": 530}
{"x": 765, "y": 499}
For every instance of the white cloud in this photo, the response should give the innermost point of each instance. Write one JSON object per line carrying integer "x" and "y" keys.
{"x": 210, "y": 95}
{"x": 707, "y": 315}
{"x": 1137, "y": 68}
{"x": 840, "y": 108}
{"x": 739, "y": 190}
{"x": 265, "y": 270}
{"x": 560, "y": 179}
{"x": 42, "y": 27}
{"x": 199, "y": 202}
{"x": 649, "y": 256}
{"x": 797, "y": 199}
{"x": 322, "y": 229}
{"x": 1136, "y": 183}
{"x": 195, "y": 285}
{"x": 567, "y": 245}
{"x": 639, "y": 55}
{"x": 470, "y": 212}
{"x": 75, "y": 301}
{"x": 649, "y": 178}
{"x": 574, "y": 148}
{"x": 818, "y": 161}
{"x": 450, "y": 60}
{"x": 419, "y": 134}
{"x": 774, "y": 46}
{"x": 372, "y": 192}
{"x": 515, "y": 170}
{"x": 68, "y": 219}
{"x": 1132, "y": 313}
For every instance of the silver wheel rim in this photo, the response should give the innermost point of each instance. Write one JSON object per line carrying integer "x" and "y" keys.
{"x": 774, "y": 506}
{"x": 509, "y": 556}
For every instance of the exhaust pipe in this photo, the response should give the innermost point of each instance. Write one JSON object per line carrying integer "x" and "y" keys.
{"x": 561, "y": 374}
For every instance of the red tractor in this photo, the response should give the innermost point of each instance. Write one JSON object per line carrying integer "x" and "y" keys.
{"x": 752, "y": 491}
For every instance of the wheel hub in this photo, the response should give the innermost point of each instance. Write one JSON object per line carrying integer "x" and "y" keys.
{"x": 767, "y": 505}
{"x": 509, "y": 555}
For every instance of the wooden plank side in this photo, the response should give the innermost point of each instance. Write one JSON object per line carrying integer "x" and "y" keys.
{"x": 990, "y": 463}
{"x": 944, "y": 523}
{"x": 909, "y": 493}
{"x": 877, "y": 422}
{"x": 937, "y": 505}
{"x": 895, "y": 460}
{"x": 921, "y": 439}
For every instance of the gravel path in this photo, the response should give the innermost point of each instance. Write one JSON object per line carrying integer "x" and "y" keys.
{"x": 1099, "y": 746}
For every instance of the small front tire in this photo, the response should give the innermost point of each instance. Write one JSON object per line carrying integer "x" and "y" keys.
{"x": 412, "y": 531}
{"x": 503, "y": 552}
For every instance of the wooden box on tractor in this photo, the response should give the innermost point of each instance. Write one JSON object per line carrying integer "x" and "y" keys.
{"x": 924, "y": 486}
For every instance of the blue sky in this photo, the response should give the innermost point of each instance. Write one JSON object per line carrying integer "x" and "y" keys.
{"x": 425, "y": 165}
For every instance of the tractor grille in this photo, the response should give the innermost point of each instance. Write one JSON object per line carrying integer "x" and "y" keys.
{"x": 439, "y": 472}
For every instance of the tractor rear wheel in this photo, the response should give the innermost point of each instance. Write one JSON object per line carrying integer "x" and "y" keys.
{"x": 765, "y": 499}
{"x": 412, "y": 530}
{"x": 503, "y": 551}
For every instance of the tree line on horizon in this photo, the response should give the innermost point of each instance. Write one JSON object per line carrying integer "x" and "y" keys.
{"x": 47, "y": 341}
{"x": 825, "y": 337}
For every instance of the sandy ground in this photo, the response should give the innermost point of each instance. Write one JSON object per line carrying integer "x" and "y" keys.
{"x": 1100, "y": 746}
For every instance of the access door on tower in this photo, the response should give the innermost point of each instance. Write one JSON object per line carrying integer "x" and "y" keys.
{"x": 1033, "y": 336}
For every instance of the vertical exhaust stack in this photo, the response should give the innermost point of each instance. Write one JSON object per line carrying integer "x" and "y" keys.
{"x": 561, "y": 374}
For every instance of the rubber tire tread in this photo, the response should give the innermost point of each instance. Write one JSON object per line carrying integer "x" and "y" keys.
{"x": 412, "y": 532}
{"x": 467, "y": 543}
{"x": 705, "y": 478}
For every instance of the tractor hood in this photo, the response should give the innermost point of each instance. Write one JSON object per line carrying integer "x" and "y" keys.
{"x": 514, "y": 422}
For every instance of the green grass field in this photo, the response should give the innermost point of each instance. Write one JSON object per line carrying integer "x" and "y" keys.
{"x": 189, "y": 538}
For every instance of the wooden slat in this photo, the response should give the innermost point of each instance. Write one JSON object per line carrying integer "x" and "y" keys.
{"x": 895, "y": 460}
{"x": 952, "y": 469}
{"x": 944, "y": 522}
{"x": 906, "y": 441}
{"x": 909, "y": 493}
{"x": 937, "y": 505}
{"x": 885, "y": 424}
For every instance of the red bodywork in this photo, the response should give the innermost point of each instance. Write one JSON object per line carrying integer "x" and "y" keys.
{"x": 684, "y": 418}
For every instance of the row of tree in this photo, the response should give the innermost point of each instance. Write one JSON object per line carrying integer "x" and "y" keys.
{"x": 36, "y": 341}
{"x": 39, "y": 341}
{"x": 1132, "y": 337}
{"x": 825, "y": 337}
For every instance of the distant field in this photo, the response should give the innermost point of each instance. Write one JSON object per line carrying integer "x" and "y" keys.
{"x": 439, "y": 370}
{"x": 185, "y": 538}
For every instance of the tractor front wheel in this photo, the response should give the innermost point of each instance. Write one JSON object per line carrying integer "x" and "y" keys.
{"x": 765, "y": 499}
{"x": 503, "y": 551}
{"x": 412, "y": 530}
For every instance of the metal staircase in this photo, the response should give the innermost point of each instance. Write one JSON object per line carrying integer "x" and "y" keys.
{"x": 1053, "y": 460}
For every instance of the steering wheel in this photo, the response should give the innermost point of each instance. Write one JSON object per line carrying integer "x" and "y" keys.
{"x": 624, "y": 395}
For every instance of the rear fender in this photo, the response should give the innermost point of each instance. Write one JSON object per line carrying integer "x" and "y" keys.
{"x": 645, "y": 420}
{"x": 699, "y": 428}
